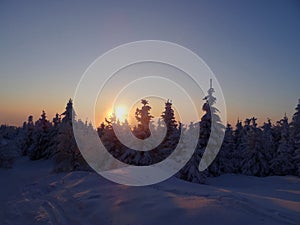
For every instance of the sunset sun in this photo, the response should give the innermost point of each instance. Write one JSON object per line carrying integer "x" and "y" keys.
{"x": 121, "y": 113}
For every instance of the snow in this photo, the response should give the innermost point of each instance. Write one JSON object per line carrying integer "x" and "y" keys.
{"x": 32, "y": 194}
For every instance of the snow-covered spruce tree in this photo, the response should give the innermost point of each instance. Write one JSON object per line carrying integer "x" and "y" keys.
{"x": 277, "y": 135}
{"x": 242, "y": 139}
{"x": 168, "y": 117}
{"x": 254, "y": 160}
{"x": 68, "y": 156}
{"x": 190, "y": 171}
{"x": 282, "y": 164}
{"x": 38, "y": 149}
{"x": 268, "y": 142}
{"x": 183, "y": 144}
{"x": 227, "y": 158}
{"x": 143, "y": 117}
{"x": 295, "y": 130}
{"x": 295, "y": 127}
{"x": 141, "y": 131}
{"x": 173, "y": 134}
{"x": 105, "y": 134}
{"x": 240, "y": 135}
{"x": 111, "y": 142}
{"x": 53, "y": 137}
{"x": 131, "y": 156}
{"x": 213, "y": 131}
{"x": 28, "y": 135}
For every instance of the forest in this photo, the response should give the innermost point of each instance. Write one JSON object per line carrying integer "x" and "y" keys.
{"x": 249, "y": 149}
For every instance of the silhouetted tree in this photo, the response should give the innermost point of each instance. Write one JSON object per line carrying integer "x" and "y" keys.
{"x": 211, "y": 128}
{"x": 28, "y": 136}
{"x": 190, "y": 171}
{"x": 143, "y": 117}
{"x": 38, "y": 149}
{"x": 228, "y": 160}
{"x": 295, "y": 130}
{"x": 254, "y": 161}
{"x": 68, "y": 156}
{"x": 173, "y": 134}
{"x": 56, "y": 120}
{"x": 282, "y": 164}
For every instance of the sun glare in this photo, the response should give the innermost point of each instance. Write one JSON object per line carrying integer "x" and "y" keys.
{"x": 121, "y": 113}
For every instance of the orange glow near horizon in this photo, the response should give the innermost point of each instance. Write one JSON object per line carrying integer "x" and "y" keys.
{"x": 16, "y": 114}
{"x": 16, "y": 118}
{"x": 120, "y": 112}
{"x": 123, "y": 112}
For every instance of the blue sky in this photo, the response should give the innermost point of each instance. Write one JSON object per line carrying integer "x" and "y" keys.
{"x": 251, "y": 46}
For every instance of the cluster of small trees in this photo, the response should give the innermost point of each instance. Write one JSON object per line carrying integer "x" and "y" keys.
{"x": 45, "y": 139}
{"x": 270, "y": 149}
{"x": 260, "y": 151}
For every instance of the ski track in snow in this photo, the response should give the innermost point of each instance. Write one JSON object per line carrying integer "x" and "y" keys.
{"x": 35, "y": 195}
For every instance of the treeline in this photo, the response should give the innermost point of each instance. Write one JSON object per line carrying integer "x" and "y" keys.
{"x": 45, "y": 139}
{"x": 270, "y": 149}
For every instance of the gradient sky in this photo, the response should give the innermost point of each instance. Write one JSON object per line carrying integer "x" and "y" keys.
{"x": 251, "y": 46}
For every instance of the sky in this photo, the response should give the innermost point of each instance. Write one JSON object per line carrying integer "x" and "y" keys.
{"x": 251, "y": 46}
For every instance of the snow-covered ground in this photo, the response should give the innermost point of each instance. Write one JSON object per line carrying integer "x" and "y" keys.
{"x": 32, "y": 194}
